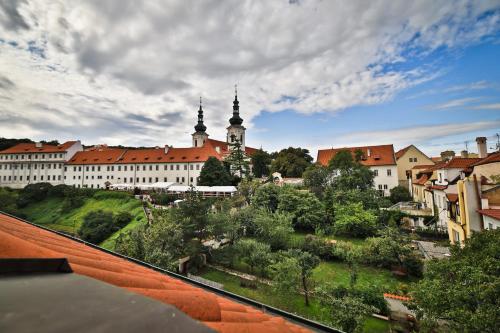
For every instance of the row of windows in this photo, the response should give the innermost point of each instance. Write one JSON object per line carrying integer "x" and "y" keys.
{"x": 412, "y": 159}
{"x": 385, "y": 187}
{"x": 29, "y": 166}
{"x": 389, "y": 172}
{"x": 131, "y": 167}
{"x": 28, "y": 156}
{"x": 145, "y": 180}
{"x": 20, "y": 178}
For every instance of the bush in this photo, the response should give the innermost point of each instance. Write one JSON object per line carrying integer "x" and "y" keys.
{"x": 97, "y": 226}
{"x": 274, "y": 229}
{"x": 121, "y": 219}
{"x": 353, "y": 220}
{"x": 369, "y": 296}
{"x": 400, "y": 194}
{"x": 33, "y": 193}
{"x": 163, "y": 198}
{"x": 318, "y": 246}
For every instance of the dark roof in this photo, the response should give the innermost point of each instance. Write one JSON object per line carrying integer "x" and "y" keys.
{"x": 19, "y": 239}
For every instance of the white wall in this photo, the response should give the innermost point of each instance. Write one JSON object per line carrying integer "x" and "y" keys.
{"x": 385, "y": 180}
{"x": 96, "y": 176}
{"x": 491, "y": 223}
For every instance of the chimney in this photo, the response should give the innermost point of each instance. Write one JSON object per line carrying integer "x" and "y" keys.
{"x": 464, "y": 154}
{"x": 38, "y": 144}
{"x": 481, "y": 146}
{"x": 166, "y": 149}
{"x": 447, "y": 155}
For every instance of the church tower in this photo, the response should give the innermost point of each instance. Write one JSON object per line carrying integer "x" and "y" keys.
{"x": 200, "y": 136}
{"x": 236, "y": 131}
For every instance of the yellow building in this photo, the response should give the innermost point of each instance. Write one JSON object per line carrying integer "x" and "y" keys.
{"x": 406, "y": 159}
{"x": 475, "y": 194}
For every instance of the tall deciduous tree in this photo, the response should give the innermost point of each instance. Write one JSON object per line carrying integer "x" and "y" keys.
{"x": 237, "y": 160}
{"x": 261, "y": 161}
{"x": 214, "y": 173}
{"x": 352, "y": 174}
{"x": 463, "y": 291}
{"x": 291, "y": 162}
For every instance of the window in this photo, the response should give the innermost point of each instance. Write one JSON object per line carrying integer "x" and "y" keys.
{"x": 107, "y": 168}
{"x": 410, "y": 159}
{"x": 150, "y": 179}
{"x": 86, "y": 168}
{"x": 112, "y": 168}
{"x": 143, "y": 179}
{"x": 157, "y": 167}
{"x": 171, "y": 167}
{"x": 48, "y": 166}
{"x": 156, "y": 179}
{"x": 176, "y": 179}
{"x": 93, "y": 168}
{"x": 165, "y": 167}
{"x": 375, "y": 173}
{"x": 99, "y": 168}
{"x": 124, "y": 168}
{"x": 380, "y": 187}
{"x": 389, "y": 172}
{"x": 183, "y": 180}
{"x": 150, "y": 168}
{"x": 197, "y": 167}
{"x": 131, "y": 179}
{"x": 490, "y": 226}
{"x": 125, "y": 179}
{"x": 119, "y": 168}
{"x": 440, "y": 177}
{"x": 143, "y": 168}
{"x": 41, "y": 177}
{"x": 191, "y": 167}
{"x": 191, "y": 179}
{"x": 137, "y": 179}
{"x": 185, "y": 167}
{"x": 165, "y": 179}
{"x": 177, "y": 167}
{"x": 385, "y": 187}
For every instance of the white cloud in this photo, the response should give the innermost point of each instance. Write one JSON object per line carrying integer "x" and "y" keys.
{"x": 131, "y": 72}
{"x": 455, "y": 103}
{"x": 493, "y": 106}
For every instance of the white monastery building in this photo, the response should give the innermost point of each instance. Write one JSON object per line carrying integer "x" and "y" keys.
{"x": 379, "y": 159}
{"x": 102, "y": 166}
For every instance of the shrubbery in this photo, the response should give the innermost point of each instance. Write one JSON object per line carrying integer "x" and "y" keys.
{"x": 99, "y": 225}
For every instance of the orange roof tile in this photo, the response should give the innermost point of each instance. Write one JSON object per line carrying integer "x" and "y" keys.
{"x": 22, "y": 240}
{"x": 379, "y": 155}
{"x": 401, "y": 152}
{"x": 146, "y": 155}
{"x": 423, "y": 166}
{"x": 494, "y": 213}
{"x": 422, "y": 180}
{"x": 31, "y": 148}
{"x": 460, "y": 163}
{"x": 492, "y": 158}
{"x": 453, "y": 197}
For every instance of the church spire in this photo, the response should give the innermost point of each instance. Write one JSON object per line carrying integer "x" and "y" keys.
{"x": 236, "y": 119}
{"x": 200, "y": 127}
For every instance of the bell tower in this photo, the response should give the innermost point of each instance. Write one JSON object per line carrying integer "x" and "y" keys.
{"x": 200, "y": 136}
{"x": 236, "y": 131}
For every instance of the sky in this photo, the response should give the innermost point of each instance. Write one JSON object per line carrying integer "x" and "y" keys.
{"x": 311, "y": 74}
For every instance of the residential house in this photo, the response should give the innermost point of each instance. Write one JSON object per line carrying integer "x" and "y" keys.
{"x": 407, "y": 159}
{"x": 379, "y": 159}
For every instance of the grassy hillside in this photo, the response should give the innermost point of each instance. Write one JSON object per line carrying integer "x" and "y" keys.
{"x": 49, "y": 213}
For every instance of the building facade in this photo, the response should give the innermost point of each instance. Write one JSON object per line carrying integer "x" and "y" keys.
{"x": 407, "y": 159}
{"x": 379, "y": 159}
{"x": 28, "y": 163}
{"x": 100, "y": 166}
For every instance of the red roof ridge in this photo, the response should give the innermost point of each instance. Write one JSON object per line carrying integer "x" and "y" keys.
{"x": 19, "y": 239}
{"x": 30, "y": 147}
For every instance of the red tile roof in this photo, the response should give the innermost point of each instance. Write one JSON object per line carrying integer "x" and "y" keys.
{"x": 492, "y": 158}
{"x": 379, "y": 155}
{"x": 453, "y": 197}
{"x": 422, "y": 180}
{"x": 22, "y": 240}
{"x": 460, "y": 163}
{"x": 146, "y": 155}
{"x": 438, "y": 187}
{"x": 423, "y": 166}
{"x": 494, "y": 213}
{"x": 31, "y": 148}
{"x": 401, "y": 152}
{"x": 224, "y": 147}
{"x": 401, "y": 298}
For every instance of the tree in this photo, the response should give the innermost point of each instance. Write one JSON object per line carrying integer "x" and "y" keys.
{"x": 399, "y": 194}
{"x": 352, "y": 220}
{"x": 392, "y": 248}
{"x": 463, "y": 290}
{"x": 273, "y": 228}
{"x": 213, "y": 173}
{"x": 291, "y": 162}
{"x": 266, "y": 197}
{"x": 316, "y": 178}
{"x": 351, "y": 173}
{"x": 261, "y": 161}
{"x": 306, "y": 210}
{"x": 286, "y": 275}
{"x": 307, "y": 262}
{"x": 33, "y": 193}
{"x": 254, "y": 254}
{"x": 247, "y": 188}
{"x": 237, "y": 160}
{"x": 97, "y": 226}
{"x": 347, "y": 313}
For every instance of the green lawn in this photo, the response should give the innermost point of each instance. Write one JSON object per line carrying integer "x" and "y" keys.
{"x": 300, "y": 236}
{"x": 293, "y": 303}
{"x": 49, "y": 214}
